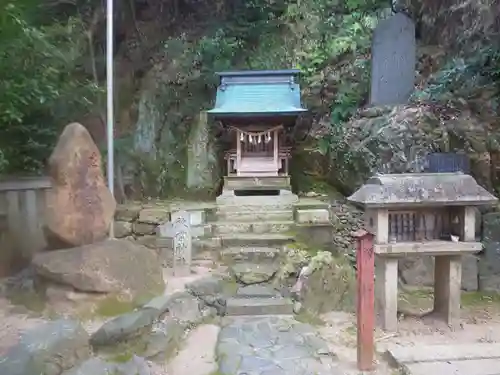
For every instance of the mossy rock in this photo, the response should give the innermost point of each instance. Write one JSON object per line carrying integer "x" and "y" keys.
{"x": 331, "y": 286}
{"x": 158, "y": 345}
{"x": 113, "y": 305}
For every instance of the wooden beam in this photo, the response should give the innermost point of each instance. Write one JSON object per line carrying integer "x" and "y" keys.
{"x": 366, "y": 300}
{"x": 238, "y": 152}
{"x": 276, "y": 147}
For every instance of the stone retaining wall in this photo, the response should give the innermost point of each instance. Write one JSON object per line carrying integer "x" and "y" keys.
{"x": 139, "y": 222}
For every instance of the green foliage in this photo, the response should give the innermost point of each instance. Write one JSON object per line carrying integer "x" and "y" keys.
{"x": 41, "y": 85}
{"x": 465, "y": 78}
{"x": 347, "y": 48}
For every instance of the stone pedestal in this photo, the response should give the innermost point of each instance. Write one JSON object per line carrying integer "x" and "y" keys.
{"x": 447, "y": 281}
{"x": 386, "y": 292}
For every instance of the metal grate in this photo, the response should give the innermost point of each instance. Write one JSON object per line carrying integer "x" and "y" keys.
{"x": 447, "y": 162}
{"x": 411, "y": 226}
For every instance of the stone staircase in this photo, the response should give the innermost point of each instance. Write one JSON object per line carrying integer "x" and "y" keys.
{"x": 252, "y": 237}
{"x": 253, "y": 273}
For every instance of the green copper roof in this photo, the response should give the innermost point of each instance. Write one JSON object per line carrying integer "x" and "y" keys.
{"x": 258, "y": 93}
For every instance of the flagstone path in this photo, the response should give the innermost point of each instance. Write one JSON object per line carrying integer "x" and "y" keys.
{"x": 271, "y": 345}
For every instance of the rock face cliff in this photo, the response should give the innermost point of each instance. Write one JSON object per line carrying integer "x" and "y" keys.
{"x": 454, "y": 107}
{"x": 173, "y": 57}
{"x": 457, "y": 25}
{"x": 174, "y": 148}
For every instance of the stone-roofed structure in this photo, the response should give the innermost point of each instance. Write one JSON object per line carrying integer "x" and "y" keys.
{"x": 421, "y": 214}
{"x": 422, "y": 188}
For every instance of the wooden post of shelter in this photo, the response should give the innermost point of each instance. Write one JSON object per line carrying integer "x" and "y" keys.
{"x": 366, "y": 299}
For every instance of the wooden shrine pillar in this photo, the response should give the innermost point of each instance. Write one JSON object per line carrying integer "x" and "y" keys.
{"x": 276, "y": 147}
{"x": 238, "y": 152}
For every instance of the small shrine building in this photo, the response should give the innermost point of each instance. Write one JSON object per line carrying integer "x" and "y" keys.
{"x": 258, "y": 109}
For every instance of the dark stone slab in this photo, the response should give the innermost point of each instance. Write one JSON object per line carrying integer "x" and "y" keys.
{"x": 393, "y": 61}
{"x": 48, "y": 349}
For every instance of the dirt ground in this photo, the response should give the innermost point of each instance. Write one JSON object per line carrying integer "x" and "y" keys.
{"x": 480, "y": 322}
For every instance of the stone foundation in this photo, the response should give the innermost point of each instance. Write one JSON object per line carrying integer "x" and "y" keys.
{"x": 138, "y": 222}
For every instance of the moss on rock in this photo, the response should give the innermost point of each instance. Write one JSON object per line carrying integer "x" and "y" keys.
{"x": 330, "y": 284}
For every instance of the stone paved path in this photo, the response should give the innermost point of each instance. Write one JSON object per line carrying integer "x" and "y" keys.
{"x": 272, "y": 345}
{"x": 472, "y": 359}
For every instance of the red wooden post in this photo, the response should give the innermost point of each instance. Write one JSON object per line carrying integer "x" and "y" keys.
{"x": 366, "y": 299}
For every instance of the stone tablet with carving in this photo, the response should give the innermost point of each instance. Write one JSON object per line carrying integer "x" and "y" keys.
{"x": 181, "y": 224}
{"x": 393, "y": 61}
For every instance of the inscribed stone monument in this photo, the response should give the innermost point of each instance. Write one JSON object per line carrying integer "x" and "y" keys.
{"x": 179, "y": 230}
{"x": 393, "y": 61}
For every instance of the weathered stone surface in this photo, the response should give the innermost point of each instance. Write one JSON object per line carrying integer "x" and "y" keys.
{"x": 491, "y": 224}
{"x": 202, "y": 166}
{"x": 327, "y": 283}
{"x": 164, "y": 338}
{"x": 149, "y": 241}
{"x": 160, "y": 304}
{"x": 127, "y": 212}
{"x": 398, "y": 139}
{"x": 48, "y": 349}
{"x": 144, "y": 228}
{"x": 489, "y": 267}
{"x": 247, "y": 273}
{"x": 79, "y": 206}
{"x": 185, "y": 308}
{"x": 210, "y": 291}
{"x": 124, "y": 326}
{"x": 94, "y": 366}
{"x": 250, "y": 254}
{"x": 272, "y": 345}
{"x": 153, "y": 215}
{"x": 256, "y": 291}
{"x": 122, "y": 229}
{"x": 475, "y": 359}
{"x": 489, "y": 261}
{"x": 206, "y": 286}
{"x": 393, "y": 60}
{"x": 111, "y": 266}
{"x": 419, "y": 271}
{"x": 259, "y": 306}
{"x": 304, "y": 216}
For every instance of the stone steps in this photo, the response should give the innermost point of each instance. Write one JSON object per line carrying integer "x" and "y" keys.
{"x": 255, "y": 216}
{"x": 228, "y": 227}
{"x": 259, "y": 306}
{"x": 250, "y": 254}
{"x": 257, "y": 291}
{"x": 255, "y": 294}
{"x": 254, "y": 205}
{"x": 255, "y": 239}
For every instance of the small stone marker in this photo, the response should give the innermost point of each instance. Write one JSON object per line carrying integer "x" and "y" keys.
{"x": 179, "y": 231}
{"x": 181, "y": 225}
{"x": 393, "y": 61}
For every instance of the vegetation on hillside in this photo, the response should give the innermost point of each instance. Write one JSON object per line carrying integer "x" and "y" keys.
{"x": 42, "y": 84}
{"x": 52, "y": 63}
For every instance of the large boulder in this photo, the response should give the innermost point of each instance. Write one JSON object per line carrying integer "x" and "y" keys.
{"x": 110, "y": 266}
{"x": 48, "y": 349}
{"x": 123, "y": 327}
{"x": 326, "y": 284}
{"x": 79, "y": 206}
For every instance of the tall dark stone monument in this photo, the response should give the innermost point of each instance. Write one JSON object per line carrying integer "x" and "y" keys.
{"x": 393, "y": 61}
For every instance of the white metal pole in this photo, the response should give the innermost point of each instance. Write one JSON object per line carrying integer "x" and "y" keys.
{"x": 110, "y": 101}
